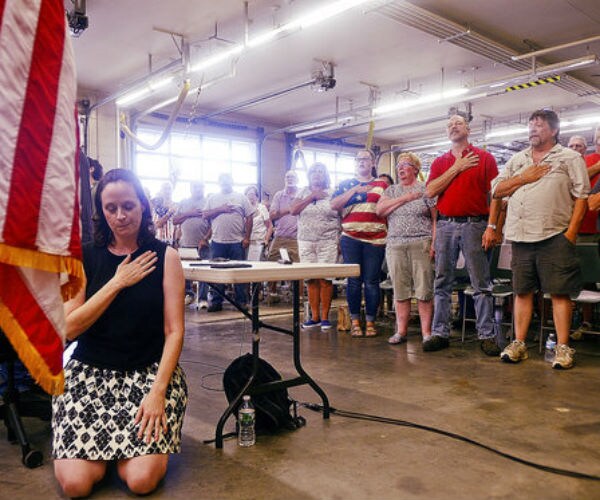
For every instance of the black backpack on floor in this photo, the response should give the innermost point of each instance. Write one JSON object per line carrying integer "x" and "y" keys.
{"x": 272, "y": 408}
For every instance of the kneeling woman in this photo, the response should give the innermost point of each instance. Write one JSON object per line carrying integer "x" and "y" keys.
{"x": 125, "y": 394}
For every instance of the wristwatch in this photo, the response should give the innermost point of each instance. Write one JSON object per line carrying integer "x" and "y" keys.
{"x": 493, "y": 226}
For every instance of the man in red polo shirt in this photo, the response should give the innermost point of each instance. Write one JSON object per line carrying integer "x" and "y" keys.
{"x": 461, "y": 179}
{"x": 588, "y": 232}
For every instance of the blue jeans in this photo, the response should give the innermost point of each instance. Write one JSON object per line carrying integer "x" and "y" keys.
{"x": 370, "y": 258}
{"x": 233, "y": 251}
{"x": 450, "y": 238}
{"x": 204, "y": 254}
{"x": 22, "y": 378}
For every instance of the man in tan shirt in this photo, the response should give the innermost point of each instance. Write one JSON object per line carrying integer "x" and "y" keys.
{"x": 547, "y": 186}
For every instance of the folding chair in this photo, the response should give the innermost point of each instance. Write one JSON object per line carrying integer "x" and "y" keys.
{"x": 501, "y": 276}
{"x": 589, "y": 261}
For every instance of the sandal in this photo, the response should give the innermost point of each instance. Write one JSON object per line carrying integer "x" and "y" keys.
{"x": 397, "y": 339}
{"x": 356, "y": 330}
{"x": 370, "y": 330}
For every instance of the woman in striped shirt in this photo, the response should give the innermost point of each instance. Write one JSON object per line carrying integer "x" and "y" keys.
{"x": 363, "y": 238}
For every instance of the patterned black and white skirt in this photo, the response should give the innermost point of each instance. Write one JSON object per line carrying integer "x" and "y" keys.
{"x": 94, "y": 418}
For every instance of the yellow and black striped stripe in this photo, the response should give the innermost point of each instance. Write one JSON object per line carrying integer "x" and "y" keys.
{"x": 534, "y": 83}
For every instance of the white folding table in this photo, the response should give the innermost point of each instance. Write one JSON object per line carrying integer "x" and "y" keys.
{"x": 255, "y": 275}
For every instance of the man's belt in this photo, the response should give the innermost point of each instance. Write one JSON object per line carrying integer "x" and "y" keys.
{"x": 463, "y": 218}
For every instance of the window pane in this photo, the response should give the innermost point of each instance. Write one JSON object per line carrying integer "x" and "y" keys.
{"x": 345, "y": 164}
{"x": 304, "y": 160}
{"x": 339, "y": 177}
{"x": 326, "y": 158}
{"x": 243, "y": 151}
{"x": 213, "y": 168}
{"x": 302, "y": 178}
{"x": 153, "y": 186}
{"x": 215, "y": 148}
{"x": 181, "y": 191}
{"x": 151, "y": 137}
{"x": 149, "y": 165}
{"x": 185, "y": 145}
{"x": 243, "y": 173}
{"x": 210, "y": 188}
{"x": 189, "y": 168}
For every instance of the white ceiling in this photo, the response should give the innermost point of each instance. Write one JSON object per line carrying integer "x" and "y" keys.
{"x": 365, "y": 44}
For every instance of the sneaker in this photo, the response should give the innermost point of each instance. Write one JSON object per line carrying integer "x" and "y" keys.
{"x": 490, "y": 347}
{"x": 583, "y": 328}
{"x": 203, "y": 304}
{"x": 435, "y": 343}
{"x": 189, "y": 298}
{"x": 397, "y": 339}
{"x": 214, "y": 308}
{"x": 514, "y": 352}
{"x": 311, "y": 324}
{"x": 326, "y": 325}
{"x": 563, "y": 359}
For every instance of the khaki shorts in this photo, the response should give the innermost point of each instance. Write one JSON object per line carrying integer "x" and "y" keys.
{"x": 291, "y": 244}
{"x": 411, "y": 270}
{"x": 322, "y": 251}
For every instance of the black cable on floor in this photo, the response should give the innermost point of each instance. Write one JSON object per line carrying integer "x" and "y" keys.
{"x": 384, "y": 420}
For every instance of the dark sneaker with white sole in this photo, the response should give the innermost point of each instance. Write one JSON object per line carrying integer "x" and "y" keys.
{"x": 490, "y": 347}
{"x": 435, "y": 343}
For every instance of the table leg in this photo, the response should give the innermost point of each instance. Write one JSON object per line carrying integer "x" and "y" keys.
{"x": 297, "y": 362}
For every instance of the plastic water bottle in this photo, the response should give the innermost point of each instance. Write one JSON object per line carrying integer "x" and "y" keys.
{"x": 246, "y": 419}
{"x": 550, "y": 348}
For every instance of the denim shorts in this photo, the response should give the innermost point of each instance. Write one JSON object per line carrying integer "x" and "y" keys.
{"x": 550, "y": 265}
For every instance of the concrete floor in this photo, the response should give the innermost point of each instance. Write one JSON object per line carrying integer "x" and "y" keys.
{"x": 528, "y": 410}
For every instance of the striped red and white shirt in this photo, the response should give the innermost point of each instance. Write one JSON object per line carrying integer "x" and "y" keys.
{"x": 359, "y": 220}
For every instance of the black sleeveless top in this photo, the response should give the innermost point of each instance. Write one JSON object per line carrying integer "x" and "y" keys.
{"x": 130, "y": 334}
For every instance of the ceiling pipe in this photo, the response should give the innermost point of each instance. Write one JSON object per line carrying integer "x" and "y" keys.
{"x": 555, "y": 48}
{"x": 408, "y": 14}
{"x": 400, "y": 126}
{"x": 479, "y": 91}
{"x": 258, "y": 100}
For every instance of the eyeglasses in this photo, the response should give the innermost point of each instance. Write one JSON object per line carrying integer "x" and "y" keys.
{"x": 360, "y": 158}
{"x": 405, "y": 165}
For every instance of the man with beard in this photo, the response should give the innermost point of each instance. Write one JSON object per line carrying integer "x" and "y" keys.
{"x": 547, "y": 185}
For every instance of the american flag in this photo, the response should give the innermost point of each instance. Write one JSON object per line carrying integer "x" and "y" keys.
{"x": 40, "y": 247}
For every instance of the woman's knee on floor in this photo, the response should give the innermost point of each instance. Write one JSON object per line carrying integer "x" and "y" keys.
{"x": 78, "y": 477}
{"x": 143, "y": 474}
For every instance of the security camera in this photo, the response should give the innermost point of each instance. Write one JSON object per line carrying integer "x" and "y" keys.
{"x": 78, "y": 21}
{"x": 324, "y": 78}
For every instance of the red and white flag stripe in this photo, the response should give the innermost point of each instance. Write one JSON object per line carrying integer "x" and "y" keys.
{"x": 39, "y": 209}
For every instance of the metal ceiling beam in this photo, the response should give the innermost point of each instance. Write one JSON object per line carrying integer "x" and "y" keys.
{"x": 442, "y": 28}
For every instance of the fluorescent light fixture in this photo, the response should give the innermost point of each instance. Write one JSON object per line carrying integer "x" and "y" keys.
{"x": 410, "y": 103}
{"x": 266, "y": 37}
{"x": 584, "y": 120}
{"x": 301, "y": 127}
{"x": 507, "y": 132}
{"x": 576, "y": 129}
{"x": 217, "y": 58}
{"x": 146, "y": 90}
{"x": 310, "y": 19}
{"x": 326, "y": 12}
